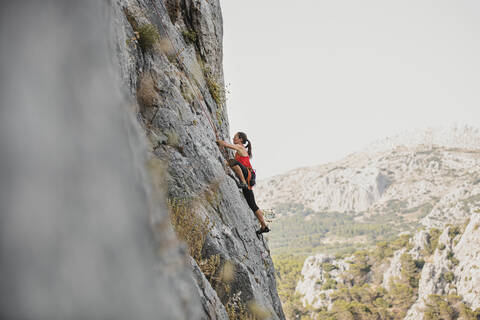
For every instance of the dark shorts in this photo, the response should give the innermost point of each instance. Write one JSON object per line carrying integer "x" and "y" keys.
{"x": 247, "y": 193}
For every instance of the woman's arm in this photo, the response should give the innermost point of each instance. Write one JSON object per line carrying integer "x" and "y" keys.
{"x": 229, "y": 145}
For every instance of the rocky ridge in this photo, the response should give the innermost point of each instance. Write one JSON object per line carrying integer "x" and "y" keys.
{"x": 447, "y": 271}
{"x": 453, "y": 136}
{"x": 414, "y": 180}
{"x": 317, "y": 272}
{"x": 452, "y": 269}
{"x": 445, "y": 252}
{"x": 435, "y": 184}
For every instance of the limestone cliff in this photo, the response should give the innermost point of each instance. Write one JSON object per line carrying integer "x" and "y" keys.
{"x": 452, "y": 269}
{"x": 177, "y": 81}
{"x": 433, "y": 274}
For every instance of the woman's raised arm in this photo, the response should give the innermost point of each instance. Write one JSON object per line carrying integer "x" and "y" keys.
{"x": 228, "y": 145}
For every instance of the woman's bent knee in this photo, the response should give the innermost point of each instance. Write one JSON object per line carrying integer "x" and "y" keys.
{"x": 232, "y": 163}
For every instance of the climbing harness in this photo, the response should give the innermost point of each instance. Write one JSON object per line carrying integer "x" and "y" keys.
{"x": 251, "y": 174}
{"x": 251, "y": 178}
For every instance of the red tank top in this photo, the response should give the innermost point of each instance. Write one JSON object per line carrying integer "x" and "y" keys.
{"x": 243, "y": 160}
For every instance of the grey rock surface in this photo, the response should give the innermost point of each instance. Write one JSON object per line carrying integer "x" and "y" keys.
{"x": 467, "y": 272}
{"x": 466, "y": 277}
{"x": 77, "y": 206}
{"x": 419, "y": 242}
{"x": 183, "y": 112}
{"x": 212, "y": 306}
{"x": 452, "y": 269}
{"x": 314, "y": 277}
{"x": 394, "y": 270}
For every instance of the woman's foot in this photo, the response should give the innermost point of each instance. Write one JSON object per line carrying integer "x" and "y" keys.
{"x": 242, "y": 185}
{"x": 262, "y": 230}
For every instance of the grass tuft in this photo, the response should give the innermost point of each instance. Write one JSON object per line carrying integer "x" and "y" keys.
{"x": 236, "y": 309}
{"x": 189, "y": 36}
{"x": 146, "y": 93}
{"x": 148, "y": 36}
{"x": 188, "y": 227}
{"x": 214, "y": 89}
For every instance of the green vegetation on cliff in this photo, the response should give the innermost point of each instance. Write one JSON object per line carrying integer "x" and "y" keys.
{"x": 448, "y": 307}
{"x": 288, "y": 269}
{"x": 362, "y": 297}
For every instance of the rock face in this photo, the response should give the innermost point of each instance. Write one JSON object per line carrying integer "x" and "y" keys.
{"x": 394, "y": 271}
{"x": 85, "y": 229}
{"x": 419, "y": 242}
{"x": 317, "y": 272}
{"x": 212, "y": 305}
{"x": 178, "y": 84}
{"x": 76, "y": 198}
{"x": 451, "y": 262}
{"x": 453, "y": 268}
{"x": 467, "y": 274}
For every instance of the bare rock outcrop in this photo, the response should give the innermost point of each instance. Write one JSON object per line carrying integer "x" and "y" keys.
{"x": 467, "y": 272}
{"x": 180, "y": 98}
{"x": 78, "y": 207}
{"x": 394, "y": 270}
{"x": 320, "y": 274}
{"x": 452, "y": 269}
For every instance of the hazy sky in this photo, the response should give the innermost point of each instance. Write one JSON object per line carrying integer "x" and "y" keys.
{"x": 312, "y": 80}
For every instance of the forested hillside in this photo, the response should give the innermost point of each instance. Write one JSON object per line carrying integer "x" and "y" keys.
{"x": 362, "y": 215}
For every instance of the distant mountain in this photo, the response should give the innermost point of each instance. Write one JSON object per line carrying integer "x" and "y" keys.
{"x": 434, "y": 170}
{"x": 455, "y": 136}
{"x": 426, "y": 182}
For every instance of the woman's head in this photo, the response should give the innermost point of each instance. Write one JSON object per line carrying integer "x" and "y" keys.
{"x": 242, "y": 137}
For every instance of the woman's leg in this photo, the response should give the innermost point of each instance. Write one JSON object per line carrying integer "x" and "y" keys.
{"x": 239, "y": 173}
{"x": 239, "y": 170}
{"x": 249, "y": 196}
{"x": 259, "y": 215}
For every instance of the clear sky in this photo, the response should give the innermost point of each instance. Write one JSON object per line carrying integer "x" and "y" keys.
{"x": 311, "y": 81}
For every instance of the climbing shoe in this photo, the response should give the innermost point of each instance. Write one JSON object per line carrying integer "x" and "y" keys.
{"x": 262, "y": 230}
{"x": 242, "y": 185}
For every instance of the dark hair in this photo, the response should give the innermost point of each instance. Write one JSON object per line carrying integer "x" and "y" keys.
{"x": 242, "y": 136}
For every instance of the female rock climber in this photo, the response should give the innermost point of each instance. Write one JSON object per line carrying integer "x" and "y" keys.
{"x": 243, "y": 169}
